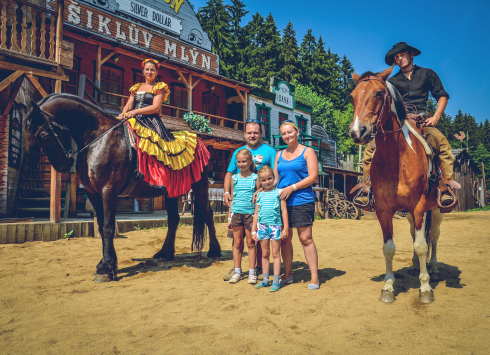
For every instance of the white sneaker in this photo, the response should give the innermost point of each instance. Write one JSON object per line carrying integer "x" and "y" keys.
{"x": 235, "y": 278}
{"x": 252, "y": 279}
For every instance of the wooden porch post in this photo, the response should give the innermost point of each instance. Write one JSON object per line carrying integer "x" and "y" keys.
{"x": 55, "y": 201}
{"x": 190, "y": 91}
{"x": 345, "y": 185}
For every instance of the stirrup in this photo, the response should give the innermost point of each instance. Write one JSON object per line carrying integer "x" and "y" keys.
{"x": 448, "y": 208}
{"x": 369, "y": 206}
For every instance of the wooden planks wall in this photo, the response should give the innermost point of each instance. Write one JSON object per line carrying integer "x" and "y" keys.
{"x": 4, "y": 143}
{"x": 466, "y": 176}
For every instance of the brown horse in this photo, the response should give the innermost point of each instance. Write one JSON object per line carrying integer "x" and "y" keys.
{"x": 399, "y": 173}
{"x": 105, "y": 168}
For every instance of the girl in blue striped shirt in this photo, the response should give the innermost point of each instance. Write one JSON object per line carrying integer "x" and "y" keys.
{"x": 240, "y": 215}
{"x": 267, "y": 225}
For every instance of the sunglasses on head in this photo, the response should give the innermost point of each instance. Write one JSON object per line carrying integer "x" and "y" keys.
{"x": 253, "y": 120}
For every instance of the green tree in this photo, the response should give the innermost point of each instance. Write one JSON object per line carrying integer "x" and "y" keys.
{"x": 322, "y": 107}
{"x": 306, "y": 51}
{"x": 467, "y": 124}
{"x": 215, "y": 21}
{"x": 342, "y": 120}
{"x": 332, "y": 87}
{"x": 320, "y": 68}
{"x": 271, "y": 52}
{"x": 237, "y": 61}
{"x": 482, "y": 155}
{"x": 289, "y": 70}
{"x": 252, "y": 53}
{"x": 346, "y": 82}
{"x": 486, "y": 135}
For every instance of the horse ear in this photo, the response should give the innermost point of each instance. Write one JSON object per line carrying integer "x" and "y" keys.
{"x": 35, "y": 107}
{"x": 355, "y": 77}
{"x": 385, "y": 74}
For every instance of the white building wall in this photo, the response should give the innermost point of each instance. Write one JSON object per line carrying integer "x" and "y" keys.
{"x": 274, "y": 114}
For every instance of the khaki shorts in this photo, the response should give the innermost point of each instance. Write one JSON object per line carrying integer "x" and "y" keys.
{"x": 241, "y": 219}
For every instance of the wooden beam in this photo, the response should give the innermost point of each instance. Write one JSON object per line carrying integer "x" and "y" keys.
{"x": 55, "y": 193}
{"x": 108, "y": 57}
{"x": 186, "y": 83}
{"x": 190, "y": 90}
{"x": 245, "y": 111}
{"x": 33, "y": 71}
{"x": 59, "y": 30}
{"x": 36, "y": 85}
{"x": 13, "y": 93}
{"x": 98, "y": 65}
{"x": 240, "y": 95}
{"x": 13, "y": 77}
{"x": 195, "y": 84}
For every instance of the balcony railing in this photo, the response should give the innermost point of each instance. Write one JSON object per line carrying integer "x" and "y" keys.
{"x": 28, "y": 31}
{"x": 178, "y": 112}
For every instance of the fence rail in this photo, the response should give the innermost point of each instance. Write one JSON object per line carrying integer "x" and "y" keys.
{"x": 28, "y": 31}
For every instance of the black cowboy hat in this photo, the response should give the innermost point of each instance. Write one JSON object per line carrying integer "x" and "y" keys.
{"x": 398, "y": 48}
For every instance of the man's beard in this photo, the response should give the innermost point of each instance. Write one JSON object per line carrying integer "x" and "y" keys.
{"x": 254, "y": 144}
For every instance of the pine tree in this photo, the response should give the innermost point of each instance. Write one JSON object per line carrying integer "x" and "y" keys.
{"x": 320, "y": 68}
{"x": 289, "y": 70}
{"x": 238, "y": 41}
{"x": 346, "y": 82}
{"x": 215, "y": 21}
{"x": 486, "y": 136}
{"x": 271, "y": 52}
{"x": 252, "y": 53}
{"x": 306, "y": 51}
{"x": 332, "y": 89}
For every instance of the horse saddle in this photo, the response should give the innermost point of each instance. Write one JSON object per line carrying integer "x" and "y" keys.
{"x": 436, "y": 174}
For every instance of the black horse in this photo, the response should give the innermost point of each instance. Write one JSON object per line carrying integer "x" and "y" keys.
{"x": 105, "y": 169}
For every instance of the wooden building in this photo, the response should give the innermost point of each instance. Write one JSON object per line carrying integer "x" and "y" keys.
{"x": 466, "y": 173}
{"x": 94, "y": 49}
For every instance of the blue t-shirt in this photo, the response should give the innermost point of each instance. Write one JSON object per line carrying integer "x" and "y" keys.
{"x": 263, "y": 155}
{"x": 243, "y": 194}
{"x": 269, "y": 204}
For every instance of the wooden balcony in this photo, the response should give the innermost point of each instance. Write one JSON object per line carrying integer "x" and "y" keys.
{"x": 27, "y": 31}
{"x": 222, "y": 127}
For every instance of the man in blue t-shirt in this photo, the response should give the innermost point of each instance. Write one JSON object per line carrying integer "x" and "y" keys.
{"x": 262, "y": 154}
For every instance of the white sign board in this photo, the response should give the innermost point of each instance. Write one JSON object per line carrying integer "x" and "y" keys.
{"x": 284, "y": 97}
{"x": 148, "y": 14}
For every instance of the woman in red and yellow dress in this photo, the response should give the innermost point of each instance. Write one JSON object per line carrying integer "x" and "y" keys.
{"x": 173, "y": 160}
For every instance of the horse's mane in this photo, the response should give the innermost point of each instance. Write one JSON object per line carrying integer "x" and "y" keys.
{"x": 27, "y": 123}
{"x": 367, "y": 74}
{"x": 79, "y": 100}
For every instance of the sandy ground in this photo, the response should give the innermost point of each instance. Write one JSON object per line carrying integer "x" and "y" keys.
{"x": 49, "y": 304}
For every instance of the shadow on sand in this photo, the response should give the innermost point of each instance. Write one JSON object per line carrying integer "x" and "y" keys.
{"x": 407, "y": 278}
{"x": 301, "y": 272}
{"x": 194, "y": 260}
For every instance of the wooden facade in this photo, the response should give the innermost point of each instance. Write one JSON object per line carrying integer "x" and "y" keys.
{"x": 95, "y": 52}
{"x": 466, "y": 173}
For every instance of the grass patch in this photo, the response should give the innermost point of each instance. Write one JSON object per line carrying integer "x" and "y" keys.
{"x": 137, "y": 228}
{"x": 69, "y": 234}
{"x": 485, "y": 208}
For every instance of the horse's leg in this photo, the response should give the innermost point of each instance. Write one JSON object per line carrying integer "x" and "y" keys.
{"x": 107, "y": 270}
{"x": 386, "y": 221}
{"x": 434, "y": 233}
{"x": 201, "y": 195}
{"x": 415, "y": 269}
{"x": 426, "y": 295}
{"x": 98, "y": 206}
{"x": 168, "y": 249}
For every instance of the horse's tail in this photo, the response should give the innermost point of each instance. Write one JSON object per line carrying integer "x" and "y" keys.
{"x": 428, "y": 225}
{"x": 199, "y": 227}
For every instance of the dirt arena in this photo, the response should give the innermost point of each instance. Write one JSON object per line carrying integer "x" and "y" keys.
{"x": 49, "y": 304}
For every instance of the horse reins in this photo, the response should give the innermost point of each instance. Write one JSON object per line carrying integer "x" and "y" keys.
{"x": 387, "y": 98}
{"x": 48, "y": 117}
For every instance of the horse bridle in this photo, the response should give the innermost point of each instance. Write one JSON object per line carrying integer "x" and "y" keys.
{"x": 48, "y": 117}
{"x": 387, "y": 98}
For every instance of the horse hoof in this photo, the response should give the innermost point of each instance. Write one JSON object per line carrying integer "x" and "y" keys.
{"x": 163, "y": 255}
{"x": 102, "y": 278}
{"x": 426, "y": 297}
{"x": 387, "y": 296}
{"x": 214, "y": 254}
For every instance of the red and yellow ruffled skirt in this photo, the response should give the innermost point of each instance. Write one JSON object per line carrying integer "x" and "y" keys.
{"x": 173, "y": 164}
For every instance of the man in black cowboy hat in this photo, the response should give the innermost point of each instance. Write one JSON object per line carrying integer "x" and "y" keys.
{"x": 414, "y": 83}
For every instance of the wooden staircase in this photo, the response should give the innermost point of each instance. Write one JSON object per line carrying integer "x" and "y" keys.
{"x": 34, "y": 186}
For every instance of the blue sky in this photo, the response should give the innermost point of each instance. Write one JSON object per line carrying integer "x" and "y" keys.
{"x": 453, "y": 35}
